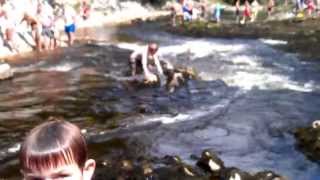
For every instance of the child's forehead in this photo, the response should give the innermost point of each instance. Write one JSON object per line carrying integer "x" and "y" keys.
{"x": 45, "y": 169}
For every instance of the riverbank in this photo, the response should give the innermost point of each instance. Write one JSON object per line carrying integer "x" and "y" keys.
{"x": 25, "y": 43}
{"x": 300, "y": 36}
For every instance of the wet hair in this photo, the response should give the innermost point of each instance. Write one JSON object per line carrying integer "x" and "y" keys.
{"x": 52, "y": 144}
{"x": 153, "y": 47}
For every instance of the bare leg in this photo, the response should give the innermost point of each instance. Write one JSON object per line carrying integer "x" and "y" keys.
{"x": 133, "y": 66}
{"x": 69, "y": 38}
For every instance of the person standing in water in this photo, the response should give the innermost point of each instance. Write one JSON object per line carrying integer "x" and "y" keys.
{"x": 146, "y": 60}
{"x": 69, "y": 15}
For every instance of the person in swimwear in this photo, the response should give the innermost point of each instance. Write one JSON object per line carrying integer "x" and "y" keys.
{"x": 246, "y": 12}
{"x": 70, "y": 16}
{"x": 146, "y": 60}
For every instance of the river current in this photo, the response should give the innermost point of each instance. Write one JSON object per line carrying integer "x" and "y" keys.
{"x": 246, "y": 103}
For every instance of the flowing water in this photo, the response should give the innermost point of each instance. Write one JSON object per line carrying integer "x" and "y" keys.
{"x": 247, "y": 101}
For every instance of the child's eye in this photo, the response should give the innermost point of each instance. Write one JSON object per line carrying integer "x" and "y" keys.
{"x": 34, "y": 178}
{"x": 62, "y": 176}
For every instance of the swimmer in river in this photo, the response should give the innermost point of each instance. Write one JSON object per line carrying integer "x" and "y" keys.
{"x": 146, "y": 61}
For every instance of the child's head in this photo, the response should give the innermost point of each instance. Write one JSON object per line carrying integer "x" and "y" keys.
{"x": 56, "y": 150}
{"x": 153, "y": 48}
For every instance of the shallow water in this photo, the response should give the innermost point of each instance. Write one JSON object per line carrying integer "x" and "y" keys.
{"x": 245, "y": 105}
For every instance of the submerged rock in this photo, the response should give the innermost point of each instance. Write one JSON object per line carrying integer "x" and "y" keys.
{"x": 236, "y": 174}
{"x": 268, "y": 175}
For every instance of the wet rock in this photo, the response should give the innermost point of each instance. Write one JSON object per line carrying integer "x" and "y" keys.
{"x": 211, "y": 163}
{"x": 268, "y": 175}
{"x": 127, "y": 165}
{"x": 144, "y": 109}
{"x": 147, "y": 169}
{"x": 308, "y": 140}
{"x": 316, "y": 124}
{"x": 178, "y": 76}
{"x": 179, "y": 166}
{"x": 5, "y": 71}
{"x": 236, "y": 174}
{"x": 172, "y": 167}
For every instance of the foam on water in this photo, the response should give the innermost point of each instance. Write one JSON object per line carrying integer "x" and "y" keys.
{"x": 266, "y": 81}
{"x": 273, "y": 42}
{"x": 247, "y": 69}
{"x": 243, "y": 62}
{"x": 129, "y": 46}
{"x": 191, "y": 115}
{"x": 62, "y": 67}
{"x": 199, "y": 48}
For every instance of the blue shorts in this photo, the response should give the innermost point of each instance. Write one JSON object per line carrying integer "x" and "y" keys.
{"x": 70, "y": 29}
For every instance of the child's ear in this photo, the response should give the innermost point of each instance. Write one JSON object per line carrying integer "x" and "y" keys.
{"x": 88, "y": 169}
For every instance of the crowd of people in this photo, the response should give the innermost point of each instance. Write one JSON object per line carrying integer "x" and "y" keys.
{"x": 188, "y": 10}
{"x": 41, "y": 19}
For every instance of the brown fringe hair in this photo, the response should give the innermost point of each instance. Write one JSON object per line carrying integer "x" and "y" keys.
{"x": 53, "y": 144}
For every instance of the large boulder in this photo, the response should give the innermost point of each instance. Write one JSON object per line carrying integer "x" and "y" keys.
{"x": 308, "y": 140}
{"x": 5, "y": 71}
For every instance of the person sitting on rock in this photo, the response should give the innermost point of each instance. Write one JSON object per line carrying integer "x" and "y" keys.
{"x": 56, "y": 150}
{"x": 146, "y": 60}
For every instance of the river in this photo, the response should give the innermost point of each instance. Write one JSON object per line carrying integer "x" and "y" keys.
{"x": 247, "y": 101}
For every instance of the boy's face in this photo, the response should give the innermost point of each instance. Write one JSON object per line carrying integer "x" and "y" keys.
{"x": 63, "y": 172}
{"x": 153, "y": 51}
